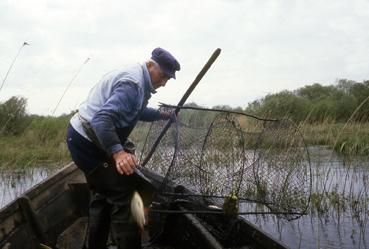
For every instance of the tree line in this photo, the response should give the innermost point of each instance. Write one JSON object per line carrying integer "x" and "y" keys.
{"x": 347, "y": 99}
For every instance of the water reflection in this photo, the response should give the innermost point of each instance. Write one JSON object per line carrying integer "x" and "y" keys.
{"x": 340, "y": 218}
{"x": 14, "y": 182}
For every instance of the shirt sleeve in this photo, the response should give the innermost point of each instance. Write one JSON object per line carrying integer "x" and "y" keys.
{"x": 150, "y": 114}
{"x": 121, "y": 108}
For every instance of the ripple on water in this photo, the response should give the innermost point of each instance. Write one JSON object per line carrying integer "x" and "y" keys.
{"x": 14, "y": 182}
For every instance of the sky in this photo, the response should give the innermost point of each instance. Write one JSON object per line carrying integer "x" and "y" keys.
{"x": 267, "y": 46}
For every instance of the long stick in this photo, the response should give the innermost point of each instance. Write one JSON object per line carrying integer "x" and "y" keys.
{"x": 69, "y": 84}
{"x": 12, "y": 64}
{"x": 201, "y": 74}
{"x": 217, "y": 110}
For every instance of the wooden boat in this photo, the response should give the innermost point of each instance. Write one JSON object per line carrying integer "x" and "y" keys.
{"x": 54, "y": 213}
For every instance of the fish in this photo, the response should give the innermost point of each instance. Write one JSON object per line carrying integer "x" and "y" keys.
{"x": 137, "y": 210}
{"x": 214, "y": 207}
{"x": 43, "y": 246}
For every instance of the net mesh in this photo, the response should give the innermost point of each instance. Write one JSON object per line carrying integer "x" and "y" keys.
{"x": 220, "y": 154}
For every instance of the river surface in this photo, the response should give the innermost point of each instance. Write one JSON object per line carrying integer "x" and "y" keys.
{"x": 13, "y": 183}
{"x": 334, "y": 227}
{"x": 344, "y": 227}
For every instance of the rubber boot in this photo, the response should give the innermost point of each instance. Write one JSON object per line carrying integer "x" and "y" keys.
{"x": 125, "y": 232}
{"x": 99, "y": 222}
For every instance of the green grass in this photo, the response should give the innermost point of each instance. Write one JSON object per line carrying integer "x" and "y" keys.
{"x": 41, "y": 143}
{"x": 43, "y": 140}
{"x": 350, "y": 139}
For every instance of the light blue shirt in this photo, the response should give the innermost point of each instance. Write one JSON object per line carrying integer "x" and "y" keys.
{"x": 117, "y": 102}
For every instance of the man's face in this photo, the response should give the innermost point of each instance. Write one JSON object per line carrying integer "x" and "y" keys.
{"x": 158, "y": 78}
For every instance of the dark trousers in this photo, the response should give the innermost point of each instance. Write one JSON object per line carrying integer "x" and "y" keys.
{"x": 111, "y": 195}
{"x": 110, "y": 207}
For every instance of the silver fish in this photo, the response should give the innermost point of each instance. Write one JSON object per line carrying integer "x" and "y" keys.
{"x": 137, "y": 210}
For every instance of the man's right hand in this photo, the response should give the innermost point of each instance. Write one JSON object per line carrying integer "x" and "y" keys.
{"x": 125, "y": 162}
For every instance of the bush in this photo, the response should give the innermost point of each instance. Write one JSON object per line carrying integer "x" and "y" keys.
{"x": 13, "y": 117}
{"x": 280, "y": 105}
{"x": 316, "y": 103}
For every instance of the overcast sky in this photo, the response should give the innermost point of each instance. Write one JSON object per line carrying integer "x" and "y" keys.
{"x": 267, "y": 46}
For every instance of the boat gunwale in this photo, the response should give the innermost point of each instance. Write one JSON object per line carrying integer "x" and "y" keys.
{"x": 12, "y": 207}
{"x": 266, "y": 238}
{"x": 262, "y": 238}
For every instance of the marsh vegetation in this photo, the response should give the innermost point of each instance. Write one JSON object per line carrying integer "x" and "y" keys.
{"x": 332, "y": 119}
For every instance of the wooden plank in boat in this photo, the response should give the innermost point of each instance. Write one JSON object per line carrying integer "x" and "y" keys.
{"x": 44, "y": 192}
{"x": 21, "y": 237}
{"x": 73, "y": 237}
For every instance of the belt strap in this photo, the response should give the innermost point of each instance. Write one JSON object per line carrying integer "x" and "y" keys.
{"x": 86, "y": 125}
{"x": 128, "y": 145}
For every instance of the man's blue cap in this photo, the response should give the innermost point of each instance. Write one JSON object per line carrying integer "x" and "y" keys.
{"x": 166, "y": 61}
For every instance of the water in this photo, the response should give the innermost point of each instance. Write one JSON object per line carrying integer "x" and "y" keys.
{"x": 334, "y": 228}
{"x": 345, "y": 227}
{"x": 14, "y": 183}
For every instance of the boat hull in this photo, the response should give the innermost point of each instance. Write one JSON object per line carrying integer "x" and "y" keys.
{"x": 55, "y": 213}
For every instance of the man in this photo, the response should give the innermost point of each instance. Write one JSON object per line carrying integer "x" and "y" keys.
{"x": 96, "y": 140}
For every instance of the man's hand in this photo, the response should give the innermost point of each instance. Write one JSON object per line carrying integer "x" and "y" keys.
{"x": 125, "y": 162}
{"x": 168, "y": 114}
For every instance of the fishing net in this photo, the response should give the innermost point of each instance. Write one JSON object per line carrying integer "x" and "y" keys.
{"x": 263, "y": 165}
